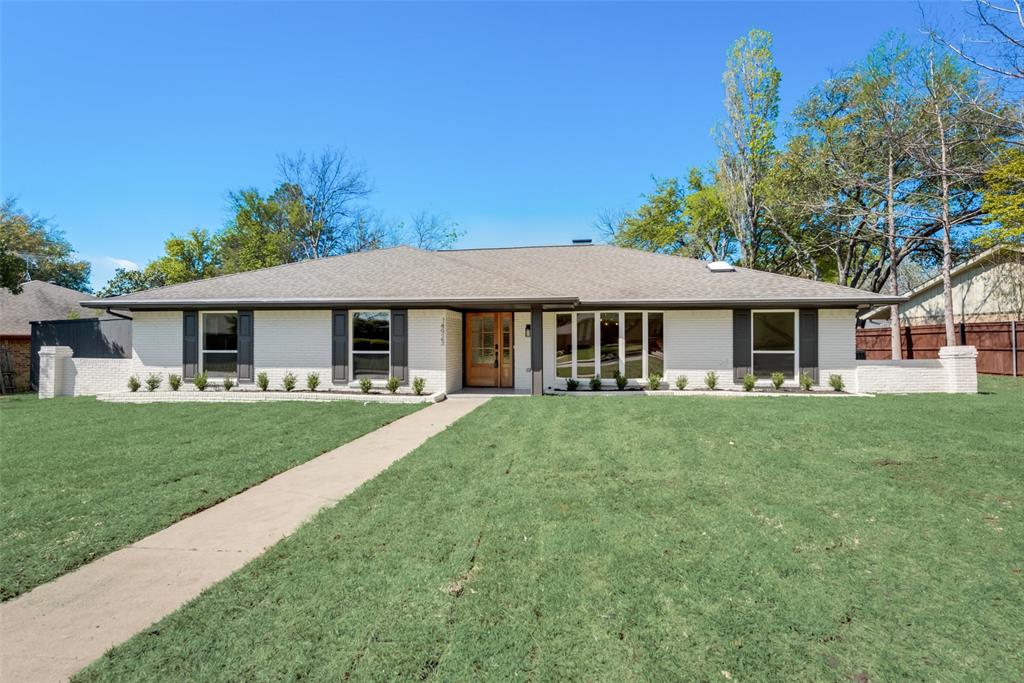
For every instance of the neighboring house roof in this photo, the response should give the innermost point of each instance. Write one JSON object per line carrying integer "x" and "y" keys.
{"x": 578, "y": 275}
{"x": 996, "y": 252}
{"x": 39, "y": 301}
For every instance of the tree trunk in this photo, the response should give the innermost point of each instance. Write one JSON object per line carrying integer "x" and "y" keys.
{"x": 947, "y": 242}
{"x": 894, "y": 288}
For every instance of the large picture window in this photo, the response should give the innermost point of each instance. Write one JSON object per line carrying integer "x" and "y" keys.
{"x": 220, "y": 344}
{"x": 371, "y": 344}
{"x": 773, "y": 337}
{"x": 605, "y": 343}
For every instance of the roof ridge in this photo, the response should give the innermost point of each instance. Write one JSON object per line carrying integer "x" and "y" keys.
{"x": 492, "y": 273}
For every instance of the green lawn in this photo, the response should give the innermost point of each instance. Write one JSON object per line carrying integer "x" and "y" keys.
{"x": 641, "y": 538}
{"x": 80, "y": 478}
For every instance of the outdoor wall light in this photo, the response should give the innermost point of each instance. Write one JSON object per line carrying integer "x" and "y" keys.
{"x": 527, "y": 330}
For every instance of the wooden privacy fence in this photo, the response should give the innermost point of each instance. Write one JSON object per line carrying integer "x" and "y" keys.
{"x": 88, "y": 338}
{"x": 995, "y": 343}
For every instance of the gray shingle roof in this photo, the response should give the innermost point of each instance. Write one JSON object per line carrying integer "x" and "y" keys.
{"x": 583, "y": 275}
{"x": 39, "y": 301}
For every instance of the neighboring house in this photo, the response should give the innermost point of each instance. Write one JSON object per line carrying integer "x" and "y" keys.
{"x": 525, "y": 319}
{"x": 36, "y": 301}
{"x": 987, "y": 288}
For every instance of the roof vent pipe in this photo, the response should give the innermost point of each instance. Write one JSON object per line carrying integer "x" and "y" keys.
{"x": 720, "y": 267}
{"x": 582, "y": 240}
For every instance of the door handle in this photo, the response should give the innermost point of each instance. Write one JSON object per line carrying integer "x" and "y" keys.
{"x": 495, "y": 355}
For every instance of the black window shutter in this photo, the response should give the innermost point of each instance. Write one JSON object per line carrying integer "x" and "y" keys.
{"x": 339, "y": 346}
{"x": 400, "y": 345}
{"x": 190, "y": 345}
{"x": 740, "y": 343}
{"x": 809, "y": 342}
{"x": 245, "y": 358}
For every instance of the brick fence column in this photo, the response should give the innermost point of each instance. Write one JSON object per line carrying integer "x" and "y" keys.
{"x": 961, "y": 366}
{"x": 53, "y": 361}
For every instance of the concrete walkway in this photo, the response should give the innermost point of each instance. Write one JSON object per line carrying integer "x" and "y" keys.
{"x": 56, "y": 629}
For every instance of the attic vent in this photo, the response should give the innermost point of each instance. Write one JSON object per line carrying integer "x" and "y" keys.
{"x": 720, "y": 267}
{"x": 585, "y": 240}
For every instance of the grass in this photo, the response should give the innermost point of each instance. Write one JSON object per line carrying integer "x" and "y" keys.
{"x": 80, "y": 478}
{"x": 645, "y": 538}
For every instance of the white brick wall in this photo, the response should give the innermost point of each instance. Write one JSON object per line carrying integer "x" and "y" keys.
{"x": 292, "y": 341}
{"x": 427, "y": 348}
{"x": 156, "y": 343}
{"x": 453, "y": 350}
{"x": 548, "y": 345}
{"x": 837, "y": 346}
{"x": 522, "y": 380}
{"x": 60, "y": 374}
{"x": 954, "y": 372}
{"x": 698, "y": 341}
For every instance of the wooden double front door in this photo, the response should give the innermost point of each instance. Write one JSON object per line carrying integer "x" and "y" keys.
{"x": 488, "y": 348}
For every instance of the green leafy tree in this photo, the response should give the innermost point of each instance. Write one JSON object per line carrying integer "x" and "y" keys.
{"x": 194, "y": 256}
{"x": 126, "y": 281}
{"x": 1003, "y": 201}
{"x": 32, "y": 249}
{"x": 746, "y": 140}
{"x": 258, "y": 234}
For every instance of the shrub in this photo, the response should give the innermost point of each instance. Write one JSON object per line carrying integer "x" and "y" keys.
{"x": 777, "y": 379}
{"x": 201, "y": 380}
{"x": 571, "y": 384}
{"x": 595, "y": 384}
{"x": 681, "y": 381}
{"x": 836, "y": 382}
{"x": 174, "y": 381}
{"x": 620, "y": 381}
{"x": 654, "y": 381}
{"x": 153, "y": 381}
{"x": 418, "y": 384}
{"x": 134, "y": 383}
{"x": 262, "y": 381}
{"x": 393, "y": 384}
{"x": 806, "y": 381}
{"x": 312, "y": 381}
{"x": 749, "y": 381}
{"x": 228, "y": 383}
{"x": 365, "y": 384}
{"x": 711, "y": 380}
{"x": 288, "y": 381}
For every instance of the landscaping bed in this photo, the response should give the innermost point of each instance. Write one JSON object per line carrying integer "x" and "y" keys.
{"x": 82, "y": 478}
{"x": 546, "y": 539}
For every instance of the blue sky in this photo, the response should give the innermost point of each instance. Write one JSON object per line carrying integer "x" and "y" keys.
{"x": 127, "y": 122}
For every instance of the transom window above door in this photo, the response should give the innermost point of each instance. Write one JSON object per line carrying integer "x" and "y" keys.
{"x": 605, "y": 343}
{"x": 773, "y": 348}
{"x": 220, "y": 344}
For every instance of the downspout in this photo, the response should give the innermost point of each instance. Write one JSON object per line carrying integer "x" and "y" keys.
{"x": 118, "y": 315}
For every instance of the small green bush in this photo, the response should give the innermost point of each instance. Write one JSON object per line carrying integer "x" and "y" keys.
{"x": 711, "y": 380}
{"x": 654, "y": 381}
{"x": 174, "y": 381}
{"x": 228, "y": 383}
{"x": 393, "y": 384}
{"x": 312, "y": 381}
{"x": 571, "y": 384}
{"x": 777, "y": 379}
{"x": 681, "y": 382}
{"x": 836, "y": 382}
{"x": 201, "y": 380}
{"x": 288, "y": 381}
{"x": 418, "y": 384}
{"x": 154, "y": 381}
{"x": 595, "y": 384}
{"x": 806, "y": 381}
{"x": 263, "y": 381}
{"x": 620, "y": 381}
{"x": 134, "y": 383}
{"x": 365, "y": 384}
{"x": 749, "y": 381}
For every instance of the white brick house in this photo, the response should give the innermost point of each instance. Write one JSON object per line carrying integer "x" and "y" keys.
{"x": 525, "y": 320}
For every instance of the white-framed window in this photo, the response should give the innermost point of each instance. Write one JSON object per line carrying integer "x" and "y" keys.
{"x": 218, "y": 339}
{"x": 371, "y": 344}
{"x": 603, "y": 343}
{"x": 774, "y": 347}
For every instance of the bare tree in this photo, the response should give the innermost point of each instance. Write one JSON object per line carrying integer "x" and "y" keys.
{"x": 996, "y": 43}
{"x": 326, "y": 195}
{"x": 433, "y": 231}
